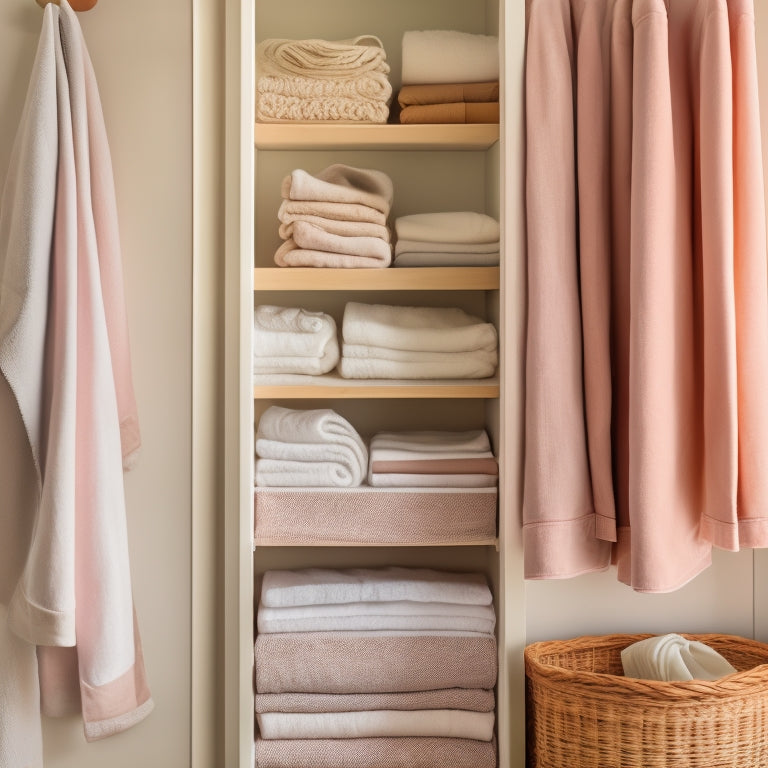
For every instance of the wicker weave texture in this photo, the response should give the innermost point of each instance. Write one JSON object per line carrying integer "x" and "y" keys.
{"x": 583, "y": 713}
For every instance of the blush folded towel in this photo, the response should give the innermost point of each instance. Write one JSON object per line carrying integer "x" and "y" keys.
{"x": 390, "y": 615}
{"x": 392, "y": 446}
{"x": 340, "y": 183}
{"x": 468, "y": 227}
{"x": 334, "y": 227}
{"x": 425, "y": 329}
{"x": 449, "y": 56}
{"x": 293, "y": 340}
{"x": 450, "y": 723}
{"x": 472, "y": 699}
{"x": 343, "y": 662}
{"x": 324, "y": 586}
{"x": 349, "y": 212}
{"x": 398, "y": 752}
{"x": 673, "y": 657}
{"x": 403, "y": 480}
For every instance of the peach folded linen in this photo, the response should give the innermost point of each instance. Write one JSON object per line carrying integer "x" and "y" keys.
{"x": 448, "y": 93}
{"x": 456, "y": 112}
{"x": 383, "y": 752}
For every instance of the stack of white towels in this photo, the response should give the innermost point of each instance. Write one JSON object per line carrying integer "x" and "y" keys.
{"x": 447, "y": 239}
{"x": 335, "y": 218}
{"x": 432, "y": 459}
{"x": 308, "y": 448}
{"x": 292, "y": 340}
{"x": 375, "y": 668}
{"x": 322, "y": 80}
{"x": 390, "y": 342}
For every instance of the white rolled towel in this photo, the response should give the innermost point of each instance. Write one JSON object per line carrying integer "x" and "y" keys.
{"x": 323, "y": 586}
{"x": 293, "y": 340}
{"x": 448, "y": 227}
{"x": 452, "y": 723}
{"x": 427, "y": 329}
{"x": 449, "y": 56}
{"x": 341, "y": 183}
{"x": 673, "y": 657}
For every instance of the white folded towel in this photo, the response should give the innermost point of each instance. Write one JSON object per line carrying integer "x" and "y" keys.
{"x": 466, "y": 227}
{"x": 365, "y": 362}
{"x": 673, "y": 657}
{"x": 424, "y": 246}
{"x": 454, "y": 723}
{"x": 404, "y": 444}
{"x": 449, "y": 56}
{"x": 401, "y": 614}
{"x": 428, "y": 329}
{"x": 308, "y": 448}
{"x": 341, "y": 183}
{"x": 293, "y": 340}
{"x": 322, "y": 586}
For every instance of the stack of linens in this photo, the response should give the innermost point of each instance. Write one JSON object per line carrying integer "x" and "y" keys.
{"x": 376, "y": 668}
{"x": 449, "y": 77}
{"x": 292, "y": 340}
{"x": 460, "y": 239}
{"x": 389, "y": 342}
{"x": 312, "y": 448}
{"x": 335, "y": 218}
{"x": 310, "y": 80}
{"x": 432, "y": 459}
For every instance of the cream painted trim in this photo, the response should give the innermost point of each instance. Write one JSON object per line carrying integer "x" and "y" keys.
{"x": 207, "y": 226}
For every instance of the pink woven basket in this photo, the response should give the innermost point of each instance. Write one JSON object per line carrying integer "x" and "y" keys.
{"x": 583, "y": 713}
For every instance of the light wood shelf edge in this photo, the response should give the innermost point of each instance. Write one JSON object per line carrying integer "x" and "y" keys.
{"x": 399, "y": 279}
{"x": 460, "y": 136}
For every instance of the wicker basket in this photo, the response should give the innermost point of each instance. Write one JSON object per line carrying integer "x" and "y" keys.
{"x": 583, "y": 713}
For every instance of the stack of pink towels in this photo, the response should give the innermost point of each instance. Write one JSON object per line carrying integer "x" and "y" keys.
{"x": 335, "y": 218}
{"x": 375, "y": 668}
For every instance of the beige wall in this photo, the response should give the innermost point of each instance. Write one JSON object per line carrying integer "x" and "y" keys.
{"x": 142, "y": 53}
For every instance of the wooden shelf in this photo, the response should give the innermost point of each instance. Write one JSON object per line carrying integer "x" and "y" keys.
{"x": 396, "y": 279}
{"x": 478, "y": 136}
{"x": 296, "y": 387}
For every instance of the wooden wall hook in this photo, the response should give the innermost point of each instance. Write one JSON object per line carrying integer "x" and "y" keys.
{"x": 77, "y": 5}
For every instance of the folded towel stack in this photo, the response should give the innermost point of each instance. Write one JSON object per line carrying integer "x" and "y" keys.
{"x": 387, "y": 667}
{"x": 315, "y": 448}
{"x": 449, "y": 77}
{"x": 455, "y": 239}
{"x": 311, "y": 80}
{"x": 291, "y": 340}
{"x": 432, "y": 459}
{"x": 335, "y": 218}
{"x": 386, "y": 342}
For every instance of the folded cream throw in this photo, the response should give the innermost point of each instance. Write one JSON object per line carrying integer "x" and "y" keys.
{"x": 473, "y": 699}
{"x": 293, "y": 340}
{"x": 451, "y": 723}
{"x": 364, "y": 88}
{"x": 449, "y": 56}
{"x": 340, "y": 662}
{"x": 367, "y": 515}
{"x": 276, "y": 108}
{"x": 326, "y": 586}
{"x": 349, "y": 212}
{"x": 446, "y": 93}
{"x": 412, "y": 752}
{"x": 426, "y": 329}
{"x": 468, "y": 227}
{"x": 394, "y": 615}
{"x": 340, "y": 183}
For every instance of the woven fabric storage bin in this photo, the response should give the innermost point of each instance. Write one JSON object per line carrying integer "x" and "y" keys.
{"x": 583, "y": 713}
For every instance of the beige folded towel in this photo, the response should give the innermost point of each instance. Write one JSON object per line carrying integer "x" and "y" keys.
{"x": 342, "y": 662}
{"x": 290, "y": 209}
{"x": 312, "y": 237}
{"x": 468, "y": 227}
{"x": 363, "y": 87}
{"x": 290, "y": 255}
{"x": 442, "y": 259}
{"x": 341, "y": 183}
{"x": 277, "y": 108}
{"x": 334, "y": 227}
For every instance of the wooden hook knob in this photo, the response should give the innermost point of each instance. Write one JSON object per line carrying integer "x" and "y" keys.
{"x": 76, "y": 5}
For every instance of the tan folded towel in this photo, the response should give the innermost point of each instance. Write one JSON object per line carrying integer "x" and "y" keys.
{"x": 403, "y": 752}
{"x": 290, "y": 209}
{"x": 334, "y": 227}
{"x": 448, "y": 93}
{"x": 347, "y": 662}
{"x": 473, "y": 699}
{"x": 460, "y": 112}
